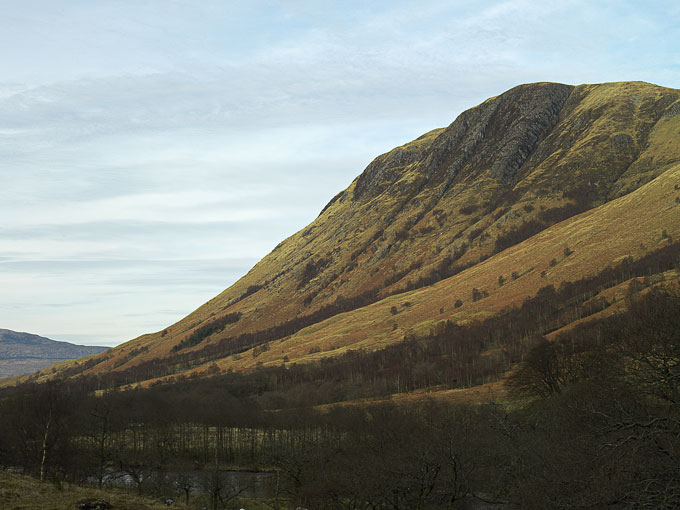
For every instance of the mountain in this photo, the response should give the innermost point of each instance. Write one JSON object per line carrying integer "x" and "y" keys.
{"x": 23, "y": 353}
{"x": 542, "y": 185}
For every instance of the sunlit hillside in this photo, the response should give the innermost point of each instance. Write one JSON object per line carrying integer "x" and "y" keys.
{"x": 544, "y": 184}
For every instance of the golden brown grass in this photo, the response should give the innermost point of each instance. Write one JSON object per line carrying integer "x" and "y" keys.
{"x": 629, "y": 226}
{"x": 482, "y": 394}
{"x": 18, "y": 492}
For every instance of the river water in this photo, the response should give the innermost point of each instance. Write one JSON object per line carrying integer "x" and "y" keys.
{"x": 250, "y": 484}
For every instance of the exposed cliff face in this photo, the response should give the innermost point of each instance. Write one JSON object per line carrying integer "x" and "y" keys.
{"x": 499, "y": 173}
{"x": 496, "y": 136}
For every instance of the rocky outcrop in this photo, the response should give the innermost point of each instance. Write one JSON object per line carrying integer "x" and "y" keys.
{"x": 498, "y": 135}
{"x": 525, "y": 117}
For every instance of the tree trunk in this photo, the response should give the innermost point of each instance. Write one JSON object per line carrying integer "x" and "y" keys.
{"x": 44, "y": 448}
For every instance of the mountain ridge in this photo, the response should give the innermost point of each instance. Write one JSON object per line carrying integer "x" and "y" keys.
{"x": 502, "y": 172}
{"x": 23, "y": 353}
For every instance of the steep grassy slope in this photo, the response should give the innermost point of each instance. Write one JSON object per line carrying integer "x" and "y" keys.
{"x": 630, "y": 226}
{"x": 441, "y": 216}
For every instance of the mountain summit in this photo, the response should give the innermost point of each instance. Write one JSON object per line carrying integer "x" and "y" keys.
{"x": 541, "y": 170}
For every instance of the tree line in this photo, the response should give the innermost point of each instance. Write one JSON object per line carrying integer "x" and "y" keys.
{"x": 450, "y": 354}
{"x": 594, "y": 422}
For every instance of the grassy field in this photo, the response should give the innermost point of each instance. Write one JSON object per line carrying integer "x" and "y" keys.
{"x": 18, "y": 492}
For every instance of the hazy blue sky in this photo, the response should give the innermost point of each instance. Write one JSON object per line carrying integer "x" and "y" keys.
{"x": 152, "y": 151}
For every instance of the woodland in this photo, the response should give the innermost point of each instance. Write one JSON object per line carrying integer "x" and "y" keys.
{"x": 590, "y": 419}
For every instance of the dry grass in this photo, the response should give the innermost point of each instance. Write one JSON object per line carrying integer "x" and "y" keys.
{"x": 482, "y": 394}
{"x": 629, "y": 226}
{"x": 19, "y": 492}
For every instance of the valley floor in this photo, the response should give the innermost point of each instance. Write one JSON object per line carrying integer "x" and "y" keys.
{"x": 19, "y": 492}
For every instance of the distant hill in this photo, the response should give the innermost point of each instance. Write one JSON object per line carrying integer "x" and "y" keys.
{"x": 24, "y": 353}
{"x": 543, "y": 185}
